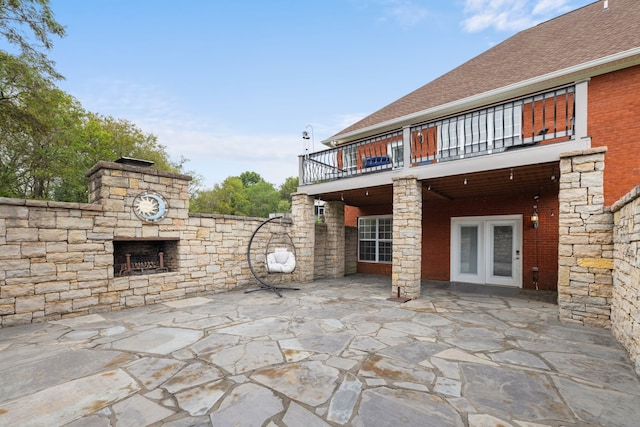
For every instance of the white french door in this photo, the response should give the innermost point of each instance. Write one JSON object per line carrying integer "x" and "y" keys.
{"x": 487, "y": 250}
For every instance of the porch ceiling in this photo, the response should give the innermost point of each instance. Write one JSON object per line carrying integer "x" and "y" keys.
{"x": 530, "y": 179}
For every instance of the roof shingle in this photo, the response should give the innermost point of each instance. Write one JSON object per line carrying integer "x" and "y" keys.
{"x": 578, "y": 37}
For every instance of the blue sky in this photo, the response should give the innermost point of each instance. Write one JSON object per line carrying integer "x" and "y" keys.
{"x": 231, "y": 84}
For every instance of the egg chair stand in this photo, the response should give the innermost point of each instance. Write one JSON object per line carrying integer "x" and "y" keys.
{"x": 280, "y": 261}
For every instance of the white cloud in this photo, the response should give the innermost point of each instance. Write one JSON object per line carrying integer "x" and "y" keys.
{"x": 215, "y": 150}
{"x": 406, "y": 12}
{"x": 510, "y": 15}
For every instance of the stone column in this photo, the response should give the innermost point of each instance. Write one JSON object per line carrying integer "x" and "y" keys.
{"x": 334, "y": 220}
{"x": 303, "y": 236}
{"x": 407, "y": 238}
{"x": 585, "y": 252}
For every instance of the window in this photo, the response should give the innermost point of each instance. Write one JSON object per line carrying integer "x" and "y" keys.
{"x": 396, "y": 151}
{"x": 375, "y": 239}
{"x": 480, "y": 131}
{"x": 349, "y": 158}
{"x": 507, "y": 122}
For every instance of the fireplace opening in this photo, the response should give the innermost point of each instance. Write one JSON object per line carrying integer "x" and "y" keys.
{"x": 144, "y": 256}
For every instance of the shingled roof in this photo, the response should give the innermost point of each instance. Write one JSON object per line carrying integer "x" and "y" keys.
{"x": 579, "y": 37}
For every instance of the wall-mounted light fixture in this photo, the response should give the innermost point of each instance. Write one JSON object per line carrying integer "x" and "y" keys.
{"x": 535, "y": 218}
{"x": 306, "y": 136}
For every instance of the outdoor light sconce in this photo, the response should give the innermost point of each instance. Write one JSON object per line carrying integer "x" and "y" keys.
{"x": 535, "y": 219}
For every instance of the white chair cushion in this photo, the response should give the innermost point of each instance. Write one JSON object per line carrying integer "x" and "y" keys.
{"x": 281, "y": 261}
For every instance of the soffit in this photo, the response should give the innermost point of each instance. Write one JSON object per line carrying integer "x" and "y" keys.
{"x": 531, "y": 179}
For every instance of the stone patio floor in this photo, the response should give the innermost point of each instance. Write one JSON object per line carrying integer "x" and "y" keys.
{"x": 335, "y": 353}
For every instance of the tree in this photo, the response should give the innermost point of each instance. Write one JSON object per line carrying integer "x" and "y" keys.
{"x": 34, "y": 151}
{"x": 47, "y": 140}
{"x": 250, "y": 178}
{"x": 289, "y": 186}
{"x": 28, "y": 25}
{"x": 227, "y": 198}
{"x": 254, "y": 197}
{"x": 263, "y": 199}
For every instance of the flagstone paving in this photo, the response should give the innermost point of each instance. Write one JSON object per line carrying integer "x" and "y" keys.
{"x": 335, "y": 353}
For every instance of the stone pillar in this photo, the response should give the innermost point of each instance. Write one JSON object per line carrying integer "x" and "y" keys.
{"x": 407, "y": 238}
{"x": 303, "y": 236}
{"x": 585, "y": 252}
{"x": 334, "y": 220}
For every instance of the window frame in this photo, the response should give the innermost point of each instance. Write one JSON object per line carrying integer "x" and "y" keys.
{"x": 349, "y": 158}
{"x": 396, "y": 152}
{"x": 376, "y": 239}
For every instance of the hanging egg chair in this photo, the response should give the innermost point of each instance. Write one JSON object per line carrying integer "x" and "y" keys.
{"x": 279, "y": 256}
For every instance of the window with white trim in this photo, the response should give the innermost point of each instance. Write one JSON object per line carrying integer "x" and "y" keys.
{"x": 375, "y": 241}
{"x": 484, "y": 130}
{"x": 349, "y": 158}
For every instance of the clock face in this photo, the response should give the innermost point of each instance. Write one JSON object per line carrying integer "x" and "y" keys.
{"x": 149, "y": 206}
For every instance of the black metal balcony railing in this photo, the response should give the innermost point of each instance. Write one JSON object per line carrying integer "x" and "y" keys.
{"x": 370, "y": 155}
{"x": 543, "y": 118}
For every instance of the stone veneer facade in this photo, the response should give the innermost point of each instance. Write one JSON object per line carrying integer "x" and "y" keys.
{"x": 57, "y": 259}
{"x": 625, "y": 313}
{"x": 585, "y": 253}
{"x": 407, "y": 238}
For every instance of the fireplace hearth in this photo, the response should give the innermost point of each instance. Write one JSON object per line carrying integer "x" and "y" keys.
{"x": 144, "y": 256}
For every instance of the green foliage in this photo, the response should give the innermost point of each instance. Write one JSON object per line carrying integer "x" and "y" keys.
{"x": 47, "y": 157}
{"x": 229, "y": 198}
{"x": 246, "y": 195}
{"x": 28, "y": 25}
{"x": 47, "y": 140}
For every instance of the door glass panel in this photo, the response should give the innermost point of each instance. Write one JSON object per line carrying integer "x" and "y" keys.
{"x": 503, "y": 251}
{"x": 469, "y": 249}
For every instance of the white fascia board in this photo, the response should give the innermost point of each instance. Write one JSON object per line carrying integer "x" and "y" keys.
{"x": 588, "y": 69}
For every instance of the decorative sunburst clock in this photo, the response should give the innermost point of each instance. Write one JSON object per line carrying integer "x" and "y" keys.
{"x": 149, "y": 206}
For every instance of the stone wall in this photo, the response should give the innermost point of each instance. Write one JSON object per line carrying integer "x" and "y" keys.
{"x": 625, "y": 311}
{"x": 335, "y": 243}
{"x": 407, "y": 238}
{"x": 57, "y": 259}
{"x": 320, "y": 252}
{"x": 351, "y": 250}
{"x": 585, "y": 250}
{"x": 303, "y": 234}
{"x": 323, "y": 247}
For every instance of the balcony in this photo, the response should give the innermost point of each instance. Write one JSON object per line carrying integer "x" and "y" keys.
{"x": 536, "y": 120}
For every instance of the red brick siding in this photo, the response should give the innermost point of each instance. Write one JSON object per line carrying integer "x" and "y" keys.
{"x": 539, "y": 247}
{"x": 613, "y": 122}
{"x": 556, "y": 118}
{"x": 424, "y": 143}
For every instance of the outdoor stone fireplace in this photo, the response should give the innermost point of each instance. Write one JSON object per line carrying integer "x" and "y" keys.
{"x": 137, "y": 257}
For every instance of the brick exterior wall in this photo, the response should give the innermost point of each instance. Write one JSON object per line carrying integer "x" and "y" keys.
{"x": 613, "y": 98}
{"x": 625, "y": 310}
{"x": 586, "y": 241}
{"x": 539, "y": 247}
